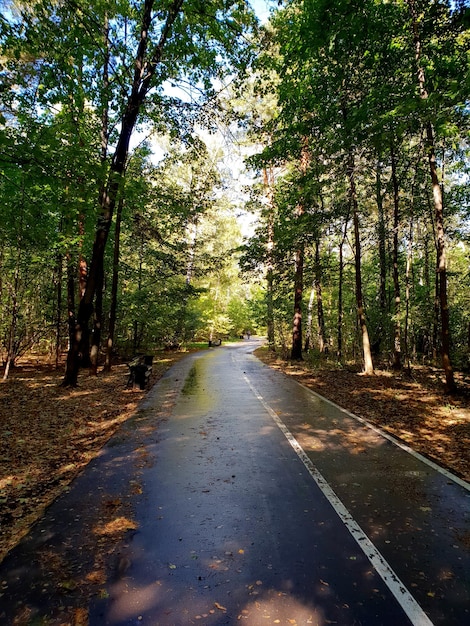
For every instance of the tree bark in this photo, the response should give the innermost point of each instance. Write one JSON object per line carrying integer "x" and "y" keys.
{"x": 269, "y": 187}
{"x": 11, "y": 352}
{"x": 368, "y": 365}
{"x": 322, "y": 343}
{"x": 441, "y": 266}
{"x": 382, "y": 257}
{"x": 339, "y": 349}
{"x": 450, "y": 385}
{"x": 114, "y": 287}
{"x": 58, "y": 320}
{"x": 98, "y": 309}
{"x": 73, "y": 354}
{"x": 409, "y": 259}
{"x": 97, "y": 326}
{"x": 308, "y": 326}
{"x": 296, "y": 352}
{"x": 396, "y": 280}
{"x": 144, "y": 71}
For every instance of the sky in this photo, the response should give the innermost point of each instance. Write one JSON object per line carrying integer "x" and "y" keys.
{"x": 261, "y": 8}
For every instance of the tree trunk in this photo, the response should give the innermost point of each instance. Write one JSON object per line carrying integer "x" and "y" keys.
{"x": 308, "y": 328}
{"x": 270, "y": 308}
{"x": 73, "y": 354}
{"x": 97, "y": 326}
{"x": 296, "y": 352}
{"x": 322, "y": 343}
{"x": 439, "y": 214}
{"x": 58, "y": 323}
{"x": 441, "y": 266}
{"x": 436, "y": 317}
{"x": 14, "y": 317}
{"x": 269, "y": 187}
{"x": 381, "y": 331}
{"x": 409, "y": 258}
{"x": 136, "y": 338}
{"x": 98, "y": 309}
{"x": 114, "y": 287}
{"x": 339, "y": 350}
{"x": 144, "y": 71}
{"x": 396, "y": 281}
{"x": 368, "y": 365}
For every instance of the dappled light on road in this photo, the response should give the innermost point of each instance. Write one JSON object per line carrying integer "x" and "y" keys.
{"x": 328, "y": 439}
{"x": 266, "y": 607}
{"x": 247, "y": 499}
{"x": 411, "y": 407}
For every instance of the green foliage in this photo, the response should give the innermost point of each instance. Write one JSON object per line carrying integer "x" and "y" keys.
{"x": 331, "y": 80}
{"x": 346, "y": 84}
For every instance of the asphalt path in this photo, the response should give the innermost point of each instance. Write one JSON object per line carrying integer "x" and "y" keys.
{"x": 259, "y": 502}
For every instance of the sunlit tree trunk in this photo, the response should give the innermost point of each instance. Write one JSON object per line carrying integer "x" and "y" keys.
{"x": 269, "y": 188}
{"x": 439, "y": 213}
{"x": 308, "y": 325}
{"x": 361, "y": 316}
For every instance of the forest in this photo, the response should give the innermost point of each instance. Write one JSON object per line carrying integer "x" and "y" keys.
{"x": 173, "y": 171}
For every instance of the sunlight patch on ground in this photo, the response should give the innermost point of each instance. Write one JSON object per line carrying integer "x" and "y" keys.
{"x": 281, "y": 608}
{"x": 115, "y": 526}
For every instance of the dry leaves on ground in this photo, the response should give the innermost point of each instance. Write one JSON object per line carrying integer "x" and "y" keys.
{"x": 49, "y": 433}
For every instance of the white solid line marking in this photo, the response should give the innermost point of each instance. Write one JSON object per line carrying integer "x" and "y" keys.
{"x": 407, "y": 602}
{"x": 397, "y": 442}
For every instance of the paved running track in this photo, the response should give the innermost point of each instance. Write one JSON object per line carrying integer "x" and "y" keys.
{"x": 260, "y": 503}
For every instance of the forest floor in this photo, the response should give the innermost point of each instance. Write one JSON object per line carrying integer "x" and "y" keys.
{"x": 48, "y": 433}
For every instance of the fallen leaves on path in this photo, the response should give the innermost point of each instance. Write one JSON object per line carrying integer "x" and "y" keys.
{"x": 412, "y": 407}
{"x": 48, "y": 434}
